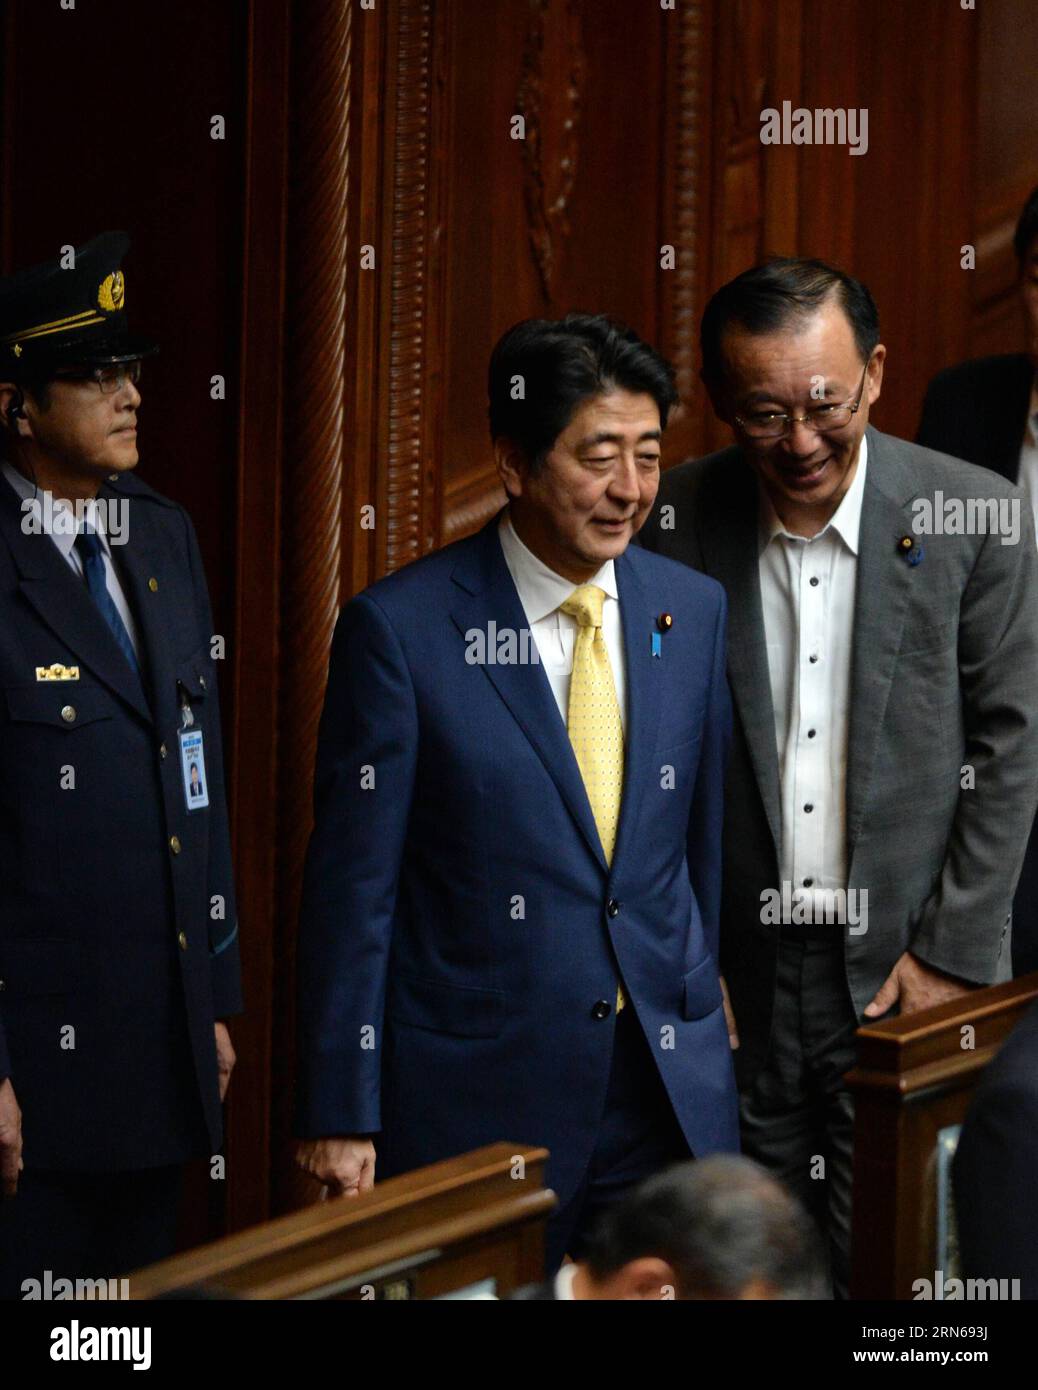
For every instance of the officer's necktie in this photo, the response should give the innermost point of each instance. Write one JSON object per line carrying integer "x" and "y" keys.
{"x": 88, "y": 543}
{"x": 594, "y": 724}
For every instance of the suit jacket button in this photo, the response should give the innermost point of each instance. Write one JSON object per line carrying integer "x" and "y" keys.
{"x": 613, "y": 907}
{"x": 153, "y": 585}
{"x": 182, "y": 940}
{"x": 68, "y": 714}
{"x": 174, "y": 843}
{"x": 601, "y": 1009}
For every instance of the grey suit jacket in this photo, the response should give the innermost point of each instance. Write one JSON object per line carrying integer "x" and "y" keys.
{"x": 944, "y": 673}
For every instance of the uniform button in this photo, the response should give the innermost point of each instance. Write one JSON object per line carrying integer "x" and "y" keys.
{"x": 153, "y": 585}
{"x": 613, "y": 907}
{"x": 182, "y": 940}
{"x": 162, "y": 750}
{"x": 601, "y": 1009}
{"x": 174, "y": 844}
{"x": 68, "y": 714}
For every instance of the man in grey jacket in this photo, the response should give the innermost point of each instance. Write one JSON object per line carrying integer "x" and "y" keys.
{"x": 883, "y": 658}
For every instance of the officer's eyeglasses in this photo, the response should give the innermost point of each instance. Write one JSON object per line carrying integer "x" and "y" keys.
{"x": 771, "y": 424}
{"x": 109, "y": 379}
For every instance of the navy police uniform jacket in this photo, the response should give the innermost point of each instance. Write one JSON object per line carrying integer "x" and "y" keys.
{"x": 462, "y": 935}
{"x": 114, "y": 958}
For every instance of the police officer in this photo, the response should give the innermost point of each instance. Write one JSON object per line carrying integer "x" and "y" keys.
{"x": 118, "y": 950}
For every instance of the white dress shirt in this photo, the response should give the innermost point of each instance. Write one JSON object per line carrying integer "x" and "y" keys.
{"x": 807, "y": 592}
{"x": 541, "y": 591}
{"x": 64, "y": 538}
{"x": 564, "y": 1283}
{"x": 1027, "y": 476}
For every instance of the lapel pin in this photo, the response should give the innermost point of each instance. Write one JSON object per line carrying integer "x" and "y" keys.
{"x": 664, "y": 622}
{"x": 909, "y": 550}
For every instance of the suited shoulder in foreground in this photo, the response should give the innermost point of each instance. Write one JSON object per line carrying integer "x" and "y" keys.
{"x": 883, "y": 656}
{"x": 995, "y": 1164}
{"x": 510, "y": 912}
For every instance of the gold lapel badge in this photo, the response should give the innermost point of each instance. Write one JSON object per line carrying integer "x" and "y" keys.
{"x": 57, "y": 672}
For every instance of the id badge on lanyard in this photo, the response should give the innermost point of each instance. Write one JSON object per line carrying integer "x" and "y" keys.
{"x": 192, "y": 758}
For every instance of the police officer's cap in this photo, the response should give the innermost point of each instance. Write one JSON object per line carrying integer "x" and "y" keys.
{"x": 54, "y": 316}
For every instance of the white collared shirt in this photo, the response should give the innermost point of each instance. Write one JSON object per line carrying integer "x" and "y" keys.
{"x": 64, "y": 539}
{"x": 807, "y": 592}
{"x": 1027, "y": 476}
{"x": 541, "y": 591}
{"x": 564, "y": 1283}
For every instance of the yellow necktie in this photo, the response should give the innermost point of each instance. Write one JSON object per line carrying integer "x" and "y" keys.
{"x": 593, "y": 721}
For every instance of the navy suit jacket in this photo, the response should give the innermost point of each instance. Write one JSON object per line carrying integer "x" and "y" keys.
{"x": 104, "y": 929}
{"x": 459, "y": 920}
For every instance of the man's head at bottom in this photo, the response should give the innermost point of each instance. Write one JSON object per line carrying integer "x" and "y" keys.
{"x": 717, "y": 1228}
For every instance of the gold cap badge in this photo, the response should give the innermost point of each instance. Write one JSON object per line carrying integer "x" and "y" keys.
{"x": 112, "y": 293}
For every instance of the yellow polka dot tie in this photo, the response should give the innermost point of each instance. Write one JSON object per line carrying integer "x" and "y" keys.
{"x": 593, "y": 721}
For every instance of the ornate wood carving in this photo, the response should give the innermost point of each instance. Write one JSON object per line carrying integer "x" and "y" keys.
{"x": 550, "y": 97}
{"x": 680, "y": 326}
{"x": 407, "y": 403}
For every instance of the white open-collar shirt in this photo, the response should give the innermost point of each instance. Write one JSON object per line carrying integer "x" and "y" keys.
{"x": 808, "y": 590}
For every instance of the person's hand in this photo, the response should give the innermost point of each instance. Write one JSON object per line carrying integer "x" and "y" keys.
{"x": 913, "y": 986}
{"x": 225, "y": 1058}
{"x": 733, "y": 1032}
{"x": 345, "y": 1165}
{"x": 10, "y": 1139}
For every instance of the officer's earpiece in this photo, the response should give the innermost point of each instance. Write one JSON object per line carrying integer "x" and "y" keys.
{"x": 16, "y": 412}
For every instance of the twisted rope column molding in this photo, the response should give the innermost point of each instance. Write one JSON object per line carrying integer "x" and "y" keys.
{"x": 313, "y": 454}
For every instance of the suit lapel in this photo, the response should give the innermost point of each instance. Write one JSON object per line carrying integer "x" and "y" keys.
{"x": 729, "y": 536}
{"x": 487, "y": 595}
{"x": 64, "y": 604}
{"x": 644, "y": 674}
{"x": 142, "y": 562}
{"x": 884, "y": 578}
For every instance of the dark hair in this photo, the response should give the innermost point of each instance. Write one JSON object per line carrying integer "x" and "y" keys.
{"x": 1026, "y": 228}
{"x": 719, "y": 1222}
{"x": 562, "y": 362}
{"x": 771, "y": 295}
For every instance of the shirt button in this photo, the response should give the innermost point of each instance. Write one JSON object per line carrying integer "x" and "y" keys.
{"x": 162, "y": 750}
{"x": 68, "y": 713}
{"x": 808, "y": 882}
{"x": 601, "y": 1009}
{"x": 813, "y": 582}
{"x": 174, "y": 844}
{"x": 809, "y": 808}
{"x": 613, "y": 907}
{"x": 182, "y": 940}
{"x": 812, "y": 659}
{"x": 811, "y": 733}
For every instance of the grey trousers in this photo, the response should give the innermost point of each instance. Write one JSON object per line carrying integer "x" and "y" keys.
{"x": 797, "y": 1118}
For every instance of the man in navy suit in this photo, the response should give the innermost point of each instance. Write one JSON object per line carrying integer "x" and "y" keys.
{"x": 510, "y": 909}
{"x": 118, "y": 958}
